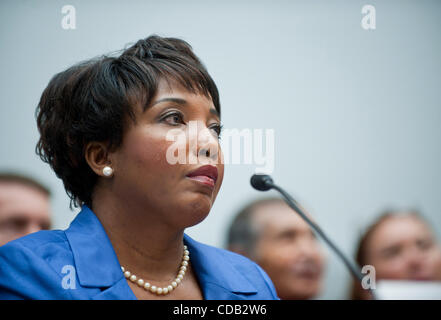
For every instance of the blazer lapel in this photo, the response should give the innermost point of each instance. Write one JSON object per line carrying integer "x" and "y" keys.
{"x": 96, "y": 263}
{"x": 219, "y": 279}
{"x": 98, "y": 267}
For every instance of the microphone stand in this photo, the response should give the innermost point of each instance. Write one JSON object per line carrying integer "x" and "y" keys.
{"x": 265, "y": 182}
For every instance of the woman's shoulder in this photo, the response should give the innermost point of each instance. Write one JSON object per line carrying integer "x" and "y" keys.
{"x": 39, "y": 238}
{"x": 43, "y": 243}
{"x": 34, "y": 260}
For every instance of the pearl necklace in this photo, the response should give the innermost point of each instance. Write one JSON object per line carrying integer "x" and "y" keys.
{"x": 157, "y": 290}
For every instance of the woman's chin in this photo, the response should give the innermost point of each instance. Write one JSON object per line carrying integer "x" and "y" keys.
{"x": 195, "y": 211}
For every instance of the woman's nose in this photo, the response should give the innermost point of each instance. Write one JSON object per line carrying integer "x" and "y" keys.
{"x": 207, "y": 143}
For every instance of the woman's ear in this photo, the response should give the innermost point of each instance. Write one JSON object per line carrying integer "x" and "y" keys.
{"x": 98, "y": 158}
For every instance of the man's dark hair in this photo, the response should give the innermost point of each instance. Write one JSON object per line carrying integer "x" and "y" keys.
{"x": 243, "y": 232}
{"x": 10, "y": 177}
{"x": 95, "y": 100}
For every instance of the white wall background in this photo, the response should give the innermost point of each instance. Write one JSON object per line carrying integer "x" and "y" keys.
{"x": 356, "y": 113}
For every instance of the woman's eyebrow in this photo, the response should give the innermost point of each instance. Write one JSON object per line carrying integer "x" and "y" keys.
{"x": 171, "y": 99}
{"x": 183, "y": 102}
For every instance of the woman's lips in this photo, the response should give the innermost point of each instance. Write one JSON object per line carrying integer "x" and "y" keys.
{"x": 206, "y": 175}
{"x": 204, "y": 180}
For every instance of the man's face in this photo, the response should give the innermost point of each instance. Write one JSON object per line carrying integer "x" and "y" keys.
{"x": 288, "y": 251}
{"x": 23, "y": 210}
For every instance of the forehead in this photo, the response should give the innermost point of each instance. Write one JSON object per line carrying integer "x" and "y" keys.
{"x": 19, "y": 198}
{"x": 398, "y": 229}
{"x": 170, "y": 87}
{"x": 278, "y": 217}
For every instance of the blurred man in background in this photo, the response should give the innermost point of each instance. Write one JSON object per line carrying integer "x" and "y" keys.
{"x": 273, "y": 235}
{"x": 24, "y": 207}
{"x": 401, "y": 246}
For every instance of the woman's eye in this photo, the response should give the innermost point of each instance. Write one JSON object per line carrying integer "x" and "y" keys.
{"x": 218, "y": 129}
{"x": 174, "y": 118}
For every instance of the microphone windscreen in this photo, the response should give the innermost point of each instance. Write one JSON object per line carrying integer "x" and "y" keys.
{"x": 261, "y": 182}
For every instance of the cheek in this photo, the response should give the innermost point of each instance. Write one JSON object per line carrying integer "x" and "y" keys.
{"x": 277, "y": 258}
{"x": 434, "y": 260}
{"x": 142, "y": 162}
{"x": 144, "y": 170}
{"x": 390, "y": 269}
{"x": 144, "y": 151}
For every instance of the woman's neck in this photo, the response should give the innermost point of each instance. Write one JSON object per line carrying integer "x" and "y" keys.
{"x": 143, "y": 244}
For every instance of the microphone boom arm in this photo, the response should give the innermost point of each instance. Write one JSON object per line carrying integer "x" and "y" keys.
{"x": 264, "y": 183}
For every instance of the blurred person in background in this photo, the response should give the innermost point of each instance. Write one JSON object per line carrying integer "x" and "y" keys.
{"x": 401, "y": 246}
{"x": 268, "y": 232}
{"x": 24, "y": 207}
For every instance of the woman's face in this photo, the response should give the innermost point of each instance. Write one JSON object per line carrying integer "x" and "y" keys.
{"x": 168, "y": 141}
{"x": 403, "y": 247}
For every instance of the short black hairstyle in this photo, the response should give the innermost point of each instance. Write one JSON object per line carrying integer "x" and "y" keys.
{"x": 94, "y": 100}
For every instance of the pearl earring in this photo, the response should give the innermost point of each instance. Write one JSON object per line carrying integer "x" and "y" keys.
{"x": 107, "y": 171}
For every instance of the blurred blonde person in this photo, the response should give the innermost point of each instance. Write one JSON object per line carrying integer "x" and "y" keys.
{"x": 401, "y": 246}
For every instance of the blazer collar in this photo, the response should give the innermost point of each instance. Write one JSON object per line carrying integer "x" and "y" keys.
{"x": 95, "y": 260}
{"x": 97, "y": 264}
{"x": 216, "y": 273}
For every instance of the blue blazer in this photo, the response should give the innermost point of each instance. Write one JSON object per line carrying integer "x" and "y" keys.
{"x": 80, "y": 263}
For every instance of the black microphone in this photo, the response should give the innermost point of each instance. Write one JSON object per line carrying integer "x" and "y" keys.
{"x": 263, "y": 182}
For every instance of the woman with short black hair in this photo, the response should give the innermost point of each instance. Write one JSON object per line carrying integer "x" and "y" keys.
{"x": 110, "y": 129}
